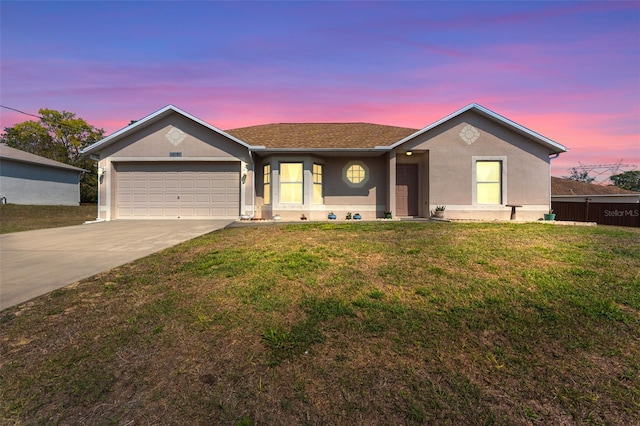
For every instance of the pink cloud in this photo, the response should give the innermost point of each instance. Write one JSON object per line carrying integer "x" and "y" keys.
{"x": 570, "y": 82}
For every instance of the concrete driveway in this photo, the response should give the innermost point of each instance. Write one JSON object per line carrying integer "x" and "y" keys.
{"x": 33, "y": 263}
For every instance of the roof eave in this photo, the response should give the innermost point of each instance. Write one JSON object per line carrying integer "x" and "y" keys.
{"x": 151, "y": 118}
{"x": 595, "y": 195}
{"x": 62, "y": 166}
{"x": 314, "y": 150}
{"x": 554, "y": 147}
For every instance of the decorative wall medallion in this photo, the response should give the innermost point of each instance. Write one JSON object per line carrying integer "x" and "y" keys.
{"x": 469, "y": 134}
{"x": 175, "y": 136}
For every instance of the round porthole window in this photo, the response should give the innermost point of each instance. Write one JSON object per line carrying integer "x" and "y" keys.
{"x": 355, "y": 174}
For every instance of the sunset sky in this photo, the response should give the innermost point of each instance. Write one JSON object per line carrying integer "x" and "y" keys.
{"x": 567, "y": 70}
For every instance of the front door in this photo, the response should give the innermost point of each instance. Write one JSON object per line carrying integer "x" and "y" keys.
{"x": 407, "y": 190}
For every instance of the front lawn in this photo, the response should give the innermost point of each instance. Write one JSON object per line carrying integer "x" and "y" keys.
{"x": 16, "y": 218}
{"x": 348, "y": 323}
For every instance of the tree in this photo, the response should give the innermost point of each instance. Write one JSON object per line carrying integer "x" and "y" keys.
{"x": 59, "y": 136}
{"x": 580, "y": 176}
{"x": 627, "y": 180}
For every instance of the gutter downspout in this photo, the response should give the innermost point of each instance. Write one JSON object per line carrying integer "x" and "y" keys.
{"x": 253, "y": 186}
{"x": 100, "y": 172}
{"x": 551, "y": 157}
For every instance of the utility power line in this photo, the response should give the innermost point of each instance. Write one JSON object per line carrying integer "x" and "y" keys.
{"x": 45, "y": 119}
{"x": 21, "y": 112}
{"x": 604, "y": 171}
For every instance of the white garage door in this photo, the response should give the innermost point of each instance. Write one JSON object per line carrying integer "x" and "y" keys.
{"x": 177, "y": 190}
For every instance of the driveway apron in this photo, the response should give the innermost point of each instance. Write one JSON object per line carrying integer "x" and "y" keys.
{"x": 33, "y": 263}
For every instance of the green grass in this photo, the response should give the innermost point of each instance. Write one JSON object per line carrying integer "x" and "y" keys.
{"x": 364, "y": 323}
{"x": 17, "y": 218}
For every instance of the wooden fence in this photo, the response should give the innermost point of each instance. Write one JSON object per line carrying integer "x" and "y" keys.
{"x": 618, "y": 214}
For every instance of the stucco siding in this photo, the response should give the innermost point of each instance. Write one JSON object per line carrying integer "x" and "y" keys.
{"x": 24, "y": 183}
{"x": 338, "y": 192}
{"x": 451, "y": 180}
{"x": 474, "y": 161}
{"x": 174, "y": 134}
{"x": 177, "y": 140}
{"x": 338, "y": 196}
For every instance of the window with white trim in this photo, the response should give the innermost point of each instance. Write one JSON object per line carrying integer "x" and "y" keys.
{"x": 291, "y": 184}
{"x": 488, "y": 182}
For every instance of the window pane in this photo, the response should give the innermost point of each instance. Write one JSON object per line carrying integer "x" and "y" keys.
{"x": 488, "y": 193}
{"x": 488, "y": 182}
{"x": 317, "y": 173}
{"x": 355, "y": 173}
{"x": 317, "y": 194}
{"x": 267, "y": 193}
{"x": 266, "y": 172}
{"x": 317, "y": 184}
{"x": 291, "y": 183}
{"x": 291, "y": 193}
{"x": 290, "y": 172}
{"x": 488, "y": 171}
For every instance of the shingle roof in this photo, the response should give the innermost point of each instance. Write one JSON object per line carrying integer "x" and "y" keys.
{"x": 326, "y": 136}
{"x": 321, "y": 135}
{"x": 9, "y": 153}
{"x": 561, "y": 186}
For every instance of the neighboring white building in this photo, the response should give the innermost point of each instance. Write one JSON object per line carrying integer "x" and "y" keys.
{"x": 27, "y": 178}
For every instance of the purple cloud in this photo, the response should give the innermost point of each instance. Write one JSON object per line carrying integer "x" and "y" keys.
{"x": 570, "y": 71}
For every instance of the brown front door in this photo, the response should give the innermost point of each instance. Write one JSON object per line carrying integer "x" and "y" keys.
{"x": 407, "y": 190}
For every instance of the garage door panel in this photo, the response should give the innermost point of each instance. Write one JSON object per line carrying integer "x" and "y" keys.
{"x": 125, "y": 198}
{"x": 140, "y": 212}
{"x": 218, "y": 184}
{"x": 187, "y": 182}
{"x": 194, "y": 190}
{"x": 140, "y": 197}
{"x": 171, "y": 183}
{"x": 187, "y": 198}
{"x": 171, "y": 199}
{"x": 187, "y": 212}
{"x": 233, "y": 197}
{"x": 203, "y": 183}
{"x": 139, "y": 183}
